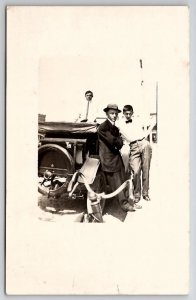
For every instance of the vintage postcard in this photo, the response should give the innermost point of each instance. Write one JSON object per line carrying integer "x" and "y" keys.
{"x": 97, "y": 132}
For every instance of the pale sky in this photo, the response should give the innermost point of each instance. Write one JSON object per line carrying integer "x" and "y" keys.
{"x": 63, "y": 82}
{"x": 104, "y": 58}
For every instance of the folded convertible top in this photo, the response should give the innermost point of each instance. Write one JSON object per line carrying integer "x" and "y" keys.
{"x": 66, "y": 128}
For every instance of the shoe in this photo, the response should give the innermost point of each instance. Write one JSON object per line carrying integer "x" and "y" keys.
{"x": 147, "y": 198}
{"x": 137, "y": 206}
{"x": 136, "y": 200}
{"x": 128, "y": 208}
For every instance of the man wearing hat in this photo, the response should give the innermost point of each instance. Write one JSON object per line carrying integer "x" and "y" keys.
{"x": 110, "y": 143}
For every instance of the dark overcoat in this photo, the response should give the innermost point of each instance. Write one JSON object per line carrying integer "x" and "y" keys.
{"x": 110, "y": 142}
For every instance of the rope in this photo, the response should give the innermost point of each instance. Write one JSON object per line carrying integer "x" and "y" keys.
{"x": 103, "y": 195}
{"x": 75, "y": 186}
{"x": 73, "y": 179}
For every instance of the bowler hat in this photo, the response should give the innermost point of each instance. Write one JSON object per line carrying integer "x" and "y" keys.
{"x": 112, "y": 106}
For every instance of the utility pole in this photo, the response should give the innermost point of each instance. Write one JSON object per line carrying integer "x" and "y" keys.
{"x": 157, "y": 90}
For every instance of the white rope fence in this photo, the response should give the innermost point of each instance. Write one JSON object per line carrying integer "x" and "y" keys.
{"x": 98, "y": 195}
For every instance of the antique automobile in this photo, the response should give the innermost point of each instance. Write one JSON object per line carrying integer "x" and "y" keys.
{"x": 69, "y": 166}
{"x": 63, "y": 149}
{"x": 67, "y": 153}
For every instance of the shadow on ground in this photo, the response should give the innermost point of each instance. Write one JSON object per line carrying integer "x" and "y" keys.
{"x": 64, "y": 206}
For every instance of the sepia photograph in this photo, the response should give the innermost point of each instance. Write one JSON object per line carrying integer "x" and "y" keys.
{"x": 97, "y": 132}
{"x": 96, "y": 137}
{"x": 98, "y": 166}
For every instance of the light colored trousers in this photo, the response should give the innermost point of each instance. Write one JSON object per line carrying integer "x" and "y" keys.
{"x": 139, "y": 160}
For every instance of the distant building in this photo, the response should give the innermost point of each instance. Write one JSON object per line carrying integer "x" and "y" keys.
{"x": 41, "y": 118}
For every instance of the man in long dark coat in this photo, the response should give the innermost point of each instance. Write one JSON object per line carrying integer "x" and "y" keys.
{"x": 110, "y": 142}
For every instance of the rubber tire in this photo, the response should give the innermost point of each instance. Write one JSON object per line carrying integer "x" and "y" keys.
{"x": 68, "y": 157}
